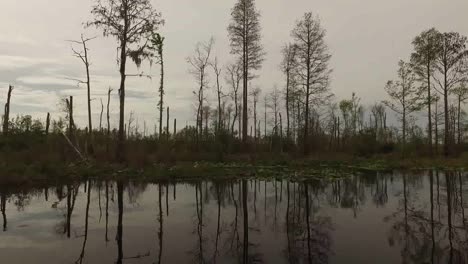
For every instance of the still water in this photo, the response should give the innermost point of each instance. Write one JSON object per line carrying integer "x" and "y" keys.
{"x": 374, "y": 218}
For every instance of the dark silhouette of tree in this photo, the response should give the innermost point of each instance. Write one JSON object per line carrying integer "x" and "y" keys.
{"x": 157, "y": 44}
{"x": 426, "y": 48}
{"x": 312, "y": 65}
{"x": 234, "y": 77}
{"x": 405, "y": 97}
{"x": 83, "y": 56}
{"x": 288, "y": 67}
{"x": 199, "y": 63}
{"x": 244, "y": 35}
{"x": 451, "y": 68}
{"x": 131, "y": 23}
{"x": 6, "y": 116}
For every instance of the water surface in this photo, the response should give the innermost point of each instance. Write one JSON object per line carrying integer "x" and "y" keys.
{"x": 373, "y": 218}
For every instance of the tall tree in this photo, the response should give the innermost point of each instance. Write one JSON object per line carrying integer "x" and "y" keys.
{"x": 83, "y": 56}
{"x": 244, "y": 34}
{"x": 451, "y": 67}
{"x": 234, "y": 77}
{"x": 287, "y": 66}
{"x": 157, "y": 42}
{"x": 405, "y": 97}
{"x": 131, "y": 23}
{"x": 426, "y": 48}
{"x": 199, "y": 63}
{"x": 219, "y": 94}
{"x": 312, "y": 64}
{"x": 461, "y": 92}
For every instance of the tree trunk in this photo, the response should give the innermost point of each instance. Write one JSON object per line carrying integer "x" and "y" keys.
{"x": 167, "y": 125}
{"x": 446, "y": 109}
{"x": 429, "y": 107}
{"x": 47, "y": 124}
{"x": 161, "y": 95}
{"x": 121, "y": 139}
{"x": 6, "y": 117}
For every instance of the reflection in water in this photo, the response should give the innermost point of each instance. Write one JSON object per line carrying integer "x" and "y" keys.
{"x": 392, "y": 217}
{"x": 3, "y": 208}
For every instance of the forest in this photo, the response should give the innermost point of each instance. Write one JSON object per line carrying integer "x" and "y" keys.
{"x": 300, "y": 118}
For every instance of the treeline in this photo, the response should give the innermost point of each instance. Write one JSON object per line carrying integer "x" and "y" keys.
{"x": 297, "y": 117}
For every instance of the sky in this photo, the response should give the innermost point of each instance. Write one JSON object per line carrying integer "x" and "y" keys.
{"x": 366, "y": 38}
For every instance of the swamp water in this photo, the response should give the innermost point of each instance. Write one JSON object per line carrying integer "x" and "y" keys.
{"x": 416, "y": 217}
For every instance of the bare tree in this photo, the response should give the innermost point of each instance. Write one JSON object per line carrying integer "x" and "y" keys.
{"x": 83, "y": 56}
{"x": 255, "y": 94}
{"x": 234, "y": 77}
{"x": 131, "y": 23}
{"x": 244, "y": 35}
{"x": 100, "y": 117}
{"x": 274, "y": 98}
{"x": 451, "y": 68}
{"x": 405, "y": 97}
{"x": 426, "y": 48}
{"x": 312, "y": 63}
{"x": 6, "y": 116}
{"x": 287, "y": 66}
{"x": 219, "y": 94}
{"x": 199, "y": 63}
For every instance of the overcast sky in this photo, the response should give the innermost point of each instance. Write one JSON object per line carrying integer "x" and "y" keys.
{"x": 366, "y": 39}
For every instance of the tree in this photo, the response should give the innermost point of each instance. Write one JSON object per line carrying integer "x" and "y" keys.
{"x": 244, "y": 36}
{"x": 83, "y": 56}
{"x": 451, "y": 66}
{"x": 219, "y": 94}
{"x": 199, "y": 63}
{"x": 312, "y": 64}
{"x": 274, "y": 98}
{"x": 461, "y": 92}
{"x": 287, "y": 66}
{"x": 405, "y": 97}
{"x": 157, "y": 42}
{"x": 426, "y": 48}
{"x": 6, "y": 116}
{"x": 255, "y": 93}
{"x": 131, "y": 23}
{"x": 234, "y": 77}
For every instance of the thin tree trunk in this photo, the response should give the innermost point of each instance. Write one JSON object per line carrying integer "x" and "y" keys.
{"x": 6, "y": 117}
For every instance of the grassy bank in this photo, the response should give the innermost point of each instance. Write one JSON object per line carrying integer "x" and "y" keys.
{"x": 36, "y": 174}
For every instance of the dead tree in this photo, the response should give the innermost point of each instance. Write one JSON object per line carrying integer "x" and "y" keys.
{"x": 47, "y": 124}
{"x": 234, "y": 77}
{"x": 199, "y": 62}
{"x": 167, "y": 125}
{"x": 108, "y": 119}
{"x": 217, "y": 70}
{"x": 100, "y": 117}
{"x": 83, "y": 56}
{"x": 6, "y": 117}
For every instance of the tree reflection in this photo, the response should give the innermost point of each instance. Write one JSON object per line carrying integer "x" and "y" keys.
{"x": 82, "y": 254}
{"x": 3, "y": 198}
{"x": 160, "y": 220}
{"x": 423, "y": 238}
{"x": 119, "y": 237}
